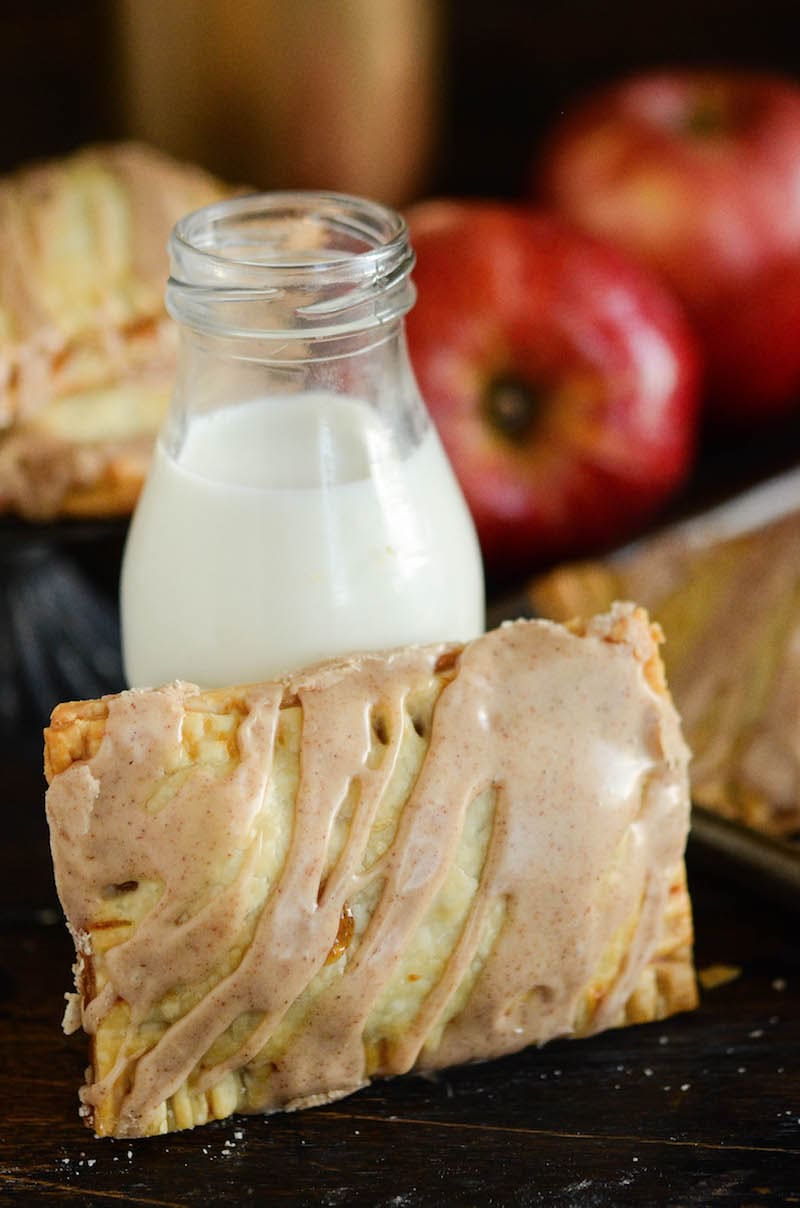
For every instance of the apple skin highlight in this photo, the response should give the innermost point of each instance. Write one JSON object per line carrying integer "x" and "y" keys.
{"x": 697, "y": 174}
{"x": 563, "y": 379}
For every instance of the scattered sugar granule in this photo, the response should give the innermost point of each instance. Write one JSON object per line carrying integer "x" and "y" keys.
{"x": 663, "y": 1040}
{"x": 685, "y": 1086}
{"x": 718, "y": 975}
{"x": 648, "y": 1073}
{"x": 239, "y": 1135}
{"x": 742, "y": 1069}
{"x": 756, "y": 1033}
{"x": 779, "y": 984}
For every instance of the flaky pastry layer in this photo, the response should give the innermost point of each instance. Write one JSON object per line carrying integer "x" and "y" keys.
{"x": 87, "y": 351}
{"x": 389, "y": 862}
{"x": 730, "y": 609}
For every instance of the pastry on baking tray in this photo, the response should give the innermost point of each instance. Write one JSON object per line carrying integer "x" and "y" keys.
{"x": 87, "y": 352}
{"x": 390, "y": 862}
{"x": 730, "y": 609}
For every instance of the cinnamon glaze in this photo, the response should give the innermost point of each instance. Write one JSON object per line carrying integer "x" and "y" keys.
{"x": 501, "y": 832}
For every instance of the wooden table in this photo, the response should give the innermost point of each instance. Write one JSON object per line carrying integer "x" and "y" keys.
{"x": 703, "y": 1109}
{"x": 700, "y": 1110}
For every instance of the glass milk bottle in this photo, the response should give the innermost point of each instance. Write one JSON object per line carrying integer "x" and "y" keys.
{"x": 299, "y": 504}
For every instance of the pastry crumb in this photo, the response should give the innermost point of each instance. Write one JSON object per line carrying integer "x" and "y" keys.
{"x": 718, "y": 975}
{"x": 72, "y": 1014}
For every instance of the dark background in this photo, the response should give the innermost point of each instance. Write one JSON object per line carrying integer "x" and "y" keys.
{"x": 508, "y": 69}
{"x": 505, "y": 70}
{"x": 516, "y": 65}
{"x": 55, "y": 78}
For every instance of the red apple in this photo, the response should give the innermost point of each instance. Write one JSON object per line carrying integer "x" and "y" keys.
{"x": 562, "y": 378}
{"x": 697, "y": 173}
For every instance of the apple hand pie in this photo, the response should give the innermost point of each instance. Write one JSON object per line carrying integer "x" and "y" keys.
{"x": 87, "y": 352}
{"x": 730, "y": 607}
{"x": 390, "y": 862}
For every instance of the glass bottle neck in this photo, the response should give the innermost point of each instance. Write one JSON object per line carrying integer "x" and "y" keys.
{"x": 290, "y": 266}
{"x": 289, "y": 294}
{"x": 372, "y": 367}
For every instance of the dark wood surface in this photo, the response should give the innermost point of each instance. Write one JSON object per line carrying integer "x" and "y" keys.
{"x": 703, "y": 1109}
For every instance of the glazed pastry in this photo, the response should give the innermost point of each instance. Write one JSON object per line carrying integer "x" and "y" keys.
{"x": 730, "y": 608}
{"x": 390, "y": 862}
{"x": 87, "y": 352}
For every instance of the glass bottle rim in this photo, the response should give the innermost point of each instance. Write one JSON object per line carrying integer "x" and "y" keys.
{"x": 290, "y": 263}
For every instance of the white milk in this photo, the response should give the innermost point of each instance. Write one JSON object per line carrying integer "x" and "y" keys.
{"x": 289, "y": 530}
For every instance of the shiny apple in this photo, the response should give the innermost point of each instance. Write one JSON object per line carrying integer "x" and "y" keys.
{"x": 697, "y": 173}
{"x": 562, "y": 377}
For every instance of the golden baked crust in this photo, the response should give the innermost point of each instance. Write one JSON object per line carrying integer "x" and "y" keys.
{"x": 45, "y": 473}
{"x": 87, "y": 351}
{"x": 730, "y": 609}
{"x": 627, "y": 983}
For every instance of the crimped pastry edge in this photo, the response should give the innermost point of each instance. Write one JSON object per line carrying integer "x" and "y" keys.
{"x": 666, "y": 986}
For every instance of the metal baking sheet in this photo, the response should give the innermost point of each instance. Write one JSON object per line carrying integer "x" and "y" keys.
{"x": 765, "y": 864}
